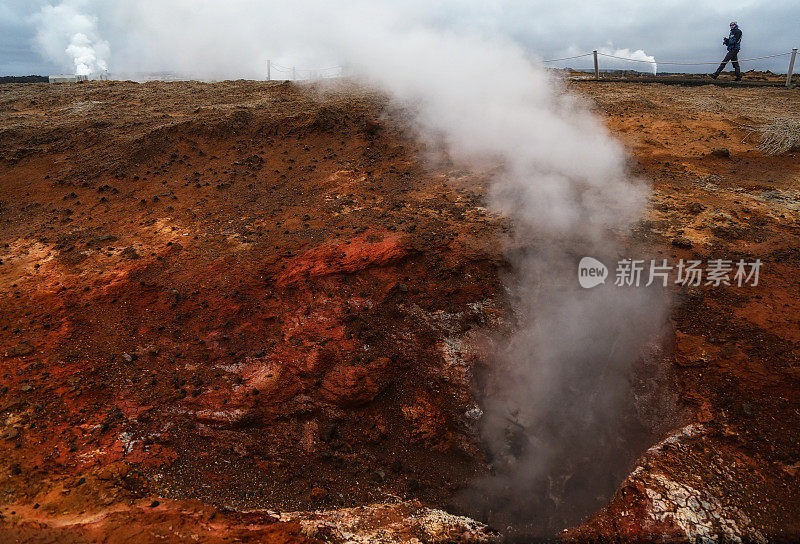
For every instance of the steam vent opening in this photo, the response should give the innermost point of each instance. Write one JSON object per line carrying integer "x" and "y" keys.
{"x": 570, "y": 404}
{"x": 550, "y": 473}
{"x": 379, "y": 272}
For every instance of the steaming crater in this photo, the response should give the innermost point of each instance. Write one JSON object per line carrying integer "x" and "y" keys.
{"x": 561, "y": 378}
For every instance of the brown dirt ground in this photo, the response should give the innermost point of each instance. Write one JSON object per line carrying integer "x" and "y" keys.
{"x": 238, "y": 291}
{"x": 245, "y": 295}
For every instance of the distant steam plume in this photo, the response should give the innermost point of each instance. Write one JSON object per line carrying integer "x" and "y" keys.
{"x": 67, "y": 34}
{"x": 649, "y": 61}
{"x": 559, "y": 387}
{"x": 84, "y": 55}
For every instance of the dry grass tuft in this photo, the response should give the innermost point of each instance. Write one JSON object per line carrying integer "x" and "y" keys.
{"x": 780, "y": 136}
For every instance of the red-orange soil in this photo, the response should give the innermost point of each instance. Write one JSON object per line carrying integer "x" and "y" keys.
{"x": 240, "y": 291}
{"x": 251, "y": 296}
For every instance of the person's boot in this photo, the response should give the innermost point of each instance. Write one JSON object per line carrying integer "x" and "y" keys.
{"x": 715, "y": 75}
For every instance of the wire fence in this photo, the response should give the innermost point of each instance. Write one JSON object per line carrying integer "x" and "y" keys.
{"x": 688, "y": 63}
{"x": 569, "y": 58}
{"x": 304, "y": 74}
{"x": 792, "y": 54}
{"x": 294, "y": 73}
{"x": 663, "y": 62}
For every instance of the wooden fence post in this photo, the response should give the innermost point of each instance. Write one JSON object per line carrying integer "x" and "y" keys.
{"x": 791, "y": 69}
{"x": 596, "y": 66}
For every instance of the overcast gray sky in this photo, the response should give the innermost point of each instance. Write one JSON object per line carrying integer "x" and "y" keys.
{"x": 670, "y": 30}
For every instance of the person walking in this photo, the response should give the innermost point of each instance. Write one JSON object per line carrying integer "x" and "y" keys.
{"x": 734, "y": 43}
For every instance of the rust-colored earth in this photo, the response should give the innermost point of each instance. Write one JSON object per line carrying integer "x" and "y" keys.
{"x": 225, "y": 307}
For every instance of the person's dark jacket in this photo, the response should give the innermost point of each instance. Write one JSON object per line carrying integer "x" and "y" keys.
{"x": 734, "y": 41}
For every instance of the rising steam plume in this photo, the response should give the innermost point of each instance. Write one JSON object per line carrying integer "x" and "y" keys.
{"x": 67, "y": 33}
{"x": 645, "y": 60}
{"x": 560, "y": 384}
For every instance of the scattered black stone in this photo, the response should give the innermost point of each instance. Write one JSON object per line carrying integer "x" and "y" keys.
{"x": 101, "y": 240}
{"x": 331, "y": 433}
{"x": 682, "y": 242}
{"x": 130, "y": 253}
{"x": 23, "y": 348}
{"x": 696, "y": 207}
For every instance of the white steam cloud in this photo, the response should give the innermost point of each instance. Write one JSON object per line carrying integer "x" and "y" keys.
{"x": 84, "y": 55}
{"x": 559, "y": 385}
{"x": 638, "y": 55}
{"x": 66, "y": 33}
